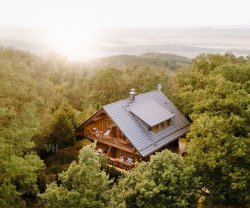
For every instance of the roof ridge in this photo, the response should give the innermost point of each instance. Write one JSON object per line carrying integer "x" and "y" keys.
{"x": 128, "y": 98}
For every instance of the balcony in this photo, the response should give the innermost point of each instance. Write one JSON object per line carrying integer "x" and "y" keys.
{"x": 116, "y": 162}
{"x": 111, "y": 141}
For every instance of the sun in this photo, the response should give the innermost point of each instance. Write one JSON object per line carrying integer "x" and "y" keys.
{"x": 72, "y": 42}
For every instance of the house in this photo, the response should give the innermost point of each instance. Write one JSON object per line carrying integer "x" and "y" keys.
{"x": 134, "y": 128}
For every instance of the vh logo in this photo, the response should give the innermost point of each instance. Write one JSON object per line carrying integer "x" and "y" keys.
{"x": 51, "y": 147}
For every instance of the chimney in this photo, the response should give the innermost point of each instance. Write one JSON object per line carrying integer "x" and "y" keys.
{"x": 132, "y": 94}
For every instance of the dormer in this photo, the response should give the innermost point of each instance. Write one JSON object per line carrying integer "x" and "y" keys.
{"x": 152, "y": 116}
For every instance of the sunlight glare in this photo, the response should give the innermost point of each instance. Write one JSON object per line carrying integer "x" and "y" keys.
{"x": 74, "y": 43}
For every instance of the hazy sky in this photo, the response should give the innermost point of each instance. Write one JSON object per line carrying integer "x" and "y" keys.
{"x": 126, "y": 13}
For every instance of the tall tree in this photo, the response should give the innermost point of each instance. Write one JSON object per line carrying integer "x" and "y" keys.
{"x": 213, "y": 93}
{"x": 82, "y": 185}
{"x": 63, "y": 126}
{"x": 165, "y": 181}
{"x": 220, "y": 158}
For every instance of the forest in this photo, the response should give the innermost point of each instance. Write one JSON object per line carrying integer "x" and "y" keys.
{"x": 44, "y": 99}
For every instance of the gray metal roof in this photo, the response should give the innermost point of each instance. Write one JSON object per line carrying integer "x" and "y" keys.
{"x": 147, "y": 142}
{"x": 151, "y": 112}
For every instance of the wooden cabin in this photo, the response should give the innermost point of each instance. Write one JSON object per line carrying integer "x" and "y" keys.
{"x": 131, "y": 130}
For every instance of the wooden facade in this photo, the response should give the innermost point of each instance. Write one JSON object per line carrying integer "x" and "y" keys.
{"x": 113, "y": 143}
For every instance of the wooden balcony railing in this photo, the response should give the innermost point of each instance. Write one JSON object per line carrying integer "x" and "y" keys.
{"x": 117, "y": 163}
{"x": 120, "y": 164}
{"x": 119, "y": 143}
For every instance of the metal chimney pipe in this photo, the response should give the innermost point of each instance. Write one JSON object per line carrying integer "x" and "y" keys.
{"x": 159, "y": 86}
{"x": 132, "y": 94}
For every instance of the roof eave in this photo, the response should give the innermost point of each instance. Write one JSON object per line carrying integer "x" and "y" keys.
{"x": 165, "y": 144}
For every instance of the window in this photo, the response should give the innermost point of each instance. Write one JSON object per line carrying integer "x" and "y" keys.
{"x": 160, "y": 126}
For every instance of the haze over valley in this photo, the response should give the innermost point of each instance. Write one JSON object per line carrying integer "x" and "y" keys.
{"x": 184, "y": 41}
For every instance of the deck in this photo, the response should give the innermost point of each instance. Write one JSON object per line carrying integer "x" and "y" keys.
{"x": 120, "y": 164}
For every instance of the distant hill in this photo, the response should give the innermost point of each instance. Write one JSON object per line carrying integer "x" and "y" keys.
{"x": 163, "y": 60}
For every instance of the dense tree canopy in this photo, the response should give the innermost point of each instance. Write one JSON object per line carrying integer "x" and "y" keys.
{"x": 19, "y": 165}
{"x": 82, "y": 185}
{"x": 42, "y": 101}
{"x": 214, "y": 93}
{"x": 165, "y": 181}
